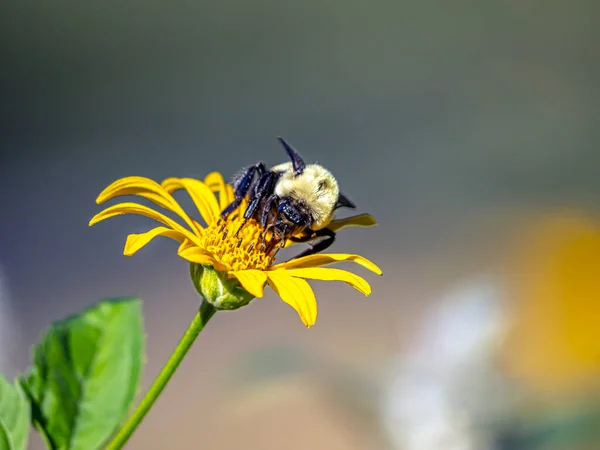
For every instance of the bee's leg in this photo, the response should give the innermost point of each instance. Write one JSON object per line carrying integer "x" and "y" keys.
{"x": 280, "y": 231}
{"x": 303, "y": 238}
{"x": 262, "y": 239}
{"x": 267, "y": 209}
{"x": 263, "y": 187}
{"x": 264, "y": 218}
{"x": 328, "y": 238}
{"x": 242, "y": 186}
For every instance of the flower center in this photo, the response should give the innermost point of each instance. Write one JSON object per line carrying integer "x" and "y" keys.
{"x": 240, "y": 249}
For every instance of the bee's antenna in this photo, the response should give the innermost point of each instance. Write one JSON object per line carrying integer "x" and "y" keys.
{"x": 297, "y": 161}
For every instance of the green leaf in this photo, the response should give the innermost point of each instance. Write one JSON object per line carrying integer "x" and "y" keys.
{"x": 14, "y": 416}
{"x": 85, "y": 376}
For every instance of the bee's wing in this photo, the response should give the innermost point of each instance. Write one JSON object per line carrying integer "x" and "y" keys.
{"x": 297, "y": 160}
{"x": 344, "y": 201}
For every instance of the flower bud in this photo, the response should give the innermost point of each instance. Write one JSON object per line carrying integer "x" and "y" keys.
{"x": 218, "y": 290}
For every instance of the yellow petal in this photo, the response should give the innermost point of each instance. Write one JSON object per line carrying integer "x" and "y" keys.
{"x": 185, "y": 245}
{"x": 200, "y": 256}
{"x": 324, "y": 259}
{"x": 215, "y": 183}
{"x": 230, "y": 194}
{"x": 136, "y": 208}
{"x": 137, "y": 241}
{"x": 329, "y": 274}
{"x": 201, "y": 195}
{"x": 252, "y": 280}
{"x": 147, "y": 188}
{"x": 361, "y": 220}
{"x": 133, "y": 186}
{"x": 297, "y": 293}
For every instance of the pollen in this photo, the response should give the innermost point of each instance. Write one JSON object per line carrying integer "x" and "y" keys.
{"x": 239, "y": 245}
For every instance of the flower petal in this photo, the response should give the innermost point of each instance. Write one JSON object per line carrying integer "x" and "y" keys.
{"x": 135, "y": 186}
{"x": 361, "y": 220}
{"x": 136, "y": 208}
{"x": 200, "y": 256}
{"x": 297, "y": 293}
{"x": 216, "y": 183}
{"x": 329, "y": 274}
{"x": 324, "y": 259}
{"x": 252, "y": 280}
{"x": 201, "y": 195}
{"x": 230, "y": 194}
{"x": 150, "y": 189}
{"x": 185, "y": 245}
{"x": 137, "y": 241}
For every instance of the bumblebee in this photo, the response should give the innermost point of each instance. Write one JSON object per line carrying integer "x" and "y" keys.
{"x": 293, "y": 200}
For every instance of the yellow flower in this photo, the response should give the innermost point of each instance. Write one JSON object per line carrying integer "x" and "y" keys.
{"x": 240, "y": 259}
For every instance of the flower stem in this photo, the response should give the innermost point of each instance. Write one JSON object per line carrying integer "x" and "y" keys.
{"x": 205, "y": 312}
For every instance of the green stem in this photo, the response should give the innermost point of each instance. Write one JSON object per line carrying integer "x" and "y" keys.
{"x": 203, "y": 315}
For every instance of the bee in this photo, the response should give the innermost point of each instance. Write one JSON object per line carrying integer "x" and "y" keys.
{"x": 294, "y": 201}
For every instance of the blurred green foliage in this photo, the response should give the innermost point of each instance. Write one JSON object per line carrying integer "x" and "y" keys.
{"x": 14, "y": 416}
{"x": 85, "y": 375}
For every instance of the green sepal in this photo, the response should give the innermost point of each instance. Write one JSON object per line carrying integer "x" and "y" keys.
{"x": 214, "y": 286}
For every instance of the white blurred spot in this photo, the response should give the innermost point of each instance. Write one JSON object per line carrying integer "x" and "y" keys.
{"x": 446, "y": 393}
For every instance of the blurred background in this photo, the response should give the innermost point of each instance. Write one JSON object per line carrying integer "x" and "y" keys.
{"x": 468, "y": 129}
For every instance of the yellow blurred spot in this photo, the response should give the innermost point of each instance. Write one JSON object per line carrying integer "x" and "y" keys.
{"x": 554, "y": 344}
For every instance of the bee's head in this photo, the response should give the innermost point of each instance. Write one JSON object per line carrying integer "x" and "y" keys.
{"x": 311, "y": 188}
{"x": 315, "y": 191}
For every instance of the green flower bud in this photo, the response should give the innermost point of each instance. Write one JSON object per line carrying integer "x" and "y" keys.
{"x": 218, "y": 290}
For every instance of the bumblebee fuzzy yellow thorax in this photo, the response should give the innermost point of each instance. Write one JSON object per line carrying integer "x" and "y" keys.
{"x": 315, "y": 187}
